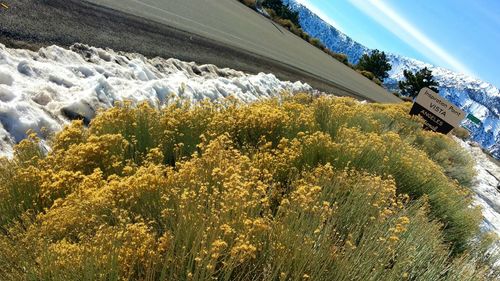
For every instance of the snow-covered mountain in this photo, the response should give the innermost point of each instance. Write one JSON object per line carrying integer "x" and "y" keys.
{"x": 333, "y": 38}
{"x": 476, "y": 97}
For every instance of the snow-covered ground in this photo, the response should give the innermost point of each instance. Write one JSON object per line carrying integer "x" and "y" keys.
{"x": 48, "y": 88}
{"x": 485, "y": 186}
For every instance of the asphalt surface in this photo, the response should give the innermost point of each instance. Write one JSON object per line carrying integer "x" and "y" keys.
{"x": 221, "y": 32}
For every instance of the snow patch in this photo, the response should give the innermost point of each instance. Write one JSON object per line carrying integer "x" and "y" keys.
{"x": 486, "y": 186}
{"x": 5, "y": 78}
{"x": 49, "y": 88}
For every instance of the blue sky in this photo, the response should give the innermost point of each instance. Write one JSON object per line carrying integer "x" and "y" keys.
{"x": 462, "y": 35}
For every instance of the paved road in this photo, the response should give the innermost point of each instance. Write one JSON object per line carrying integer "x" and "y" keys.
{"x": 222, "y": 32}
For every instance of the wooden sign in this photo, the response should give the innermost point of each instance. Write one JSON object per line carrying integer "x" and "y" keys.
{"x": 439, "y": 114}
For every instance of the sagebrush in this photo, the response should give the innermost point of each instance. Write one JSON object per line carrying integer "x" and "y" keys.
{"x": 294, "y": 188}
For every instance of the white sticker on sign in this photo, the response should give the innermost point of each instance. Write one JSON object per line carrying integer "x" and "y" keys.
{"x": 441, "y": 107}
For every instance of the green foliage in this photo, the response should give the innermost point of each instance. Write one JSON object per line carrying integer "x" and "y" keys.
{"x": 449, "y": 155}
{"x": 461, "y": 133}
{"x": 282, "y": 11}
{"x": 414, "y": 82}
{"x": 317, "y": 43}
{"x": 367, "y": 74}
{"x": 376, "y": 63}
{"x": 370, "y": 76}
{"x": 338, "y": 56}
{"x": 249, "y": 3}
{"x": 378, "y": 82}
{"x": 288, "y": 24}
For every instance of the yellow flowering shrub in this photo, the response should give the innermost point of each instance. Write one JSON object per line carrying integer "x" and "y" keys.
{"x": 448, "y": 154}
{"x": 294, "y": 188}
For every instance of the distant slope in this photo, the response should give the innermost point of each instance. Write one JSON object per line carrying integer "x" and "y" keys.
{"x": 329, "y": 35}
{"x": 477, "y": 97}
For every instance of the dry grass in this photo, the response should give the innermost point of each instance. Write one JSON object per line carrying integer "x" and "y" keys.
{"x": 461, "y": 133}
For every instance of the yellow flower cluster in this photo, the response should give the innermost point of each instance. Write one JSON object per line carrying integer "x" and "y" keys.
{"x": 294, "y": 188}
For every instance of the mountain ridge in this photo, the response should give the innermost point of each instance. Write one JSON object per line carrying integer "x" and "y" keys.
{"x": 476, "y": 97}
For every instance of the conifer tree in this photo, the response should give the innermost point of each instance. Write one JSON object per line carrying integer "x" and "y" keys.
{"x": 376, "y": 63}
{"x": 282, "y": 10}
{"x": 414, "y": 82}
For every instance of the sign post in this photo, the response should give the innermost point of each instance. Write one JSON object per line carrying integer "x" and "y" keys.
{"x": 439, "y": 114}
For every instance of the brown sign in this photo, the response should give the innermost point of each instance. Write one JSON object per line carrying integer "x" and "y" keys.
{"x": 440, "y": 115}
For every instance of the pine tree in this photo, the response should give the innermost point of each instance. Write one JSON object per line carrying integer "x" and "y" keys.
{"x": 376, "y": 63}
{"x": 414, "y": 82}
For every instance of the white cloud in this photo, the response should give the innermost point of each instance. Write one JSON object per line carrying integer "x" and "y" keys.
{"x": 407, "y": 32}
{"x": 320, "y": 13}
